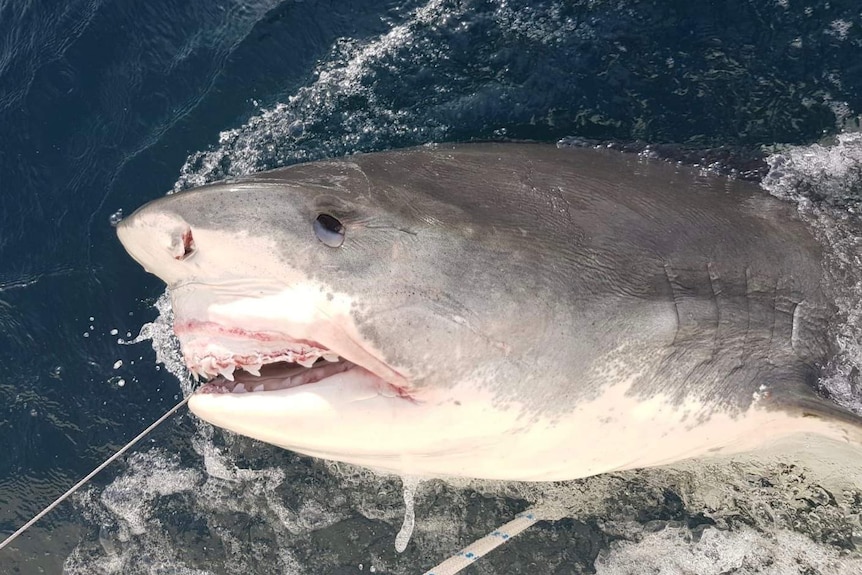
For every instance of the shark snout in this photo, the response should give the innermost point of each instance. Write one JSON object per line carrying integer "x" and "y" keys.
{"x": 157, "y": 240}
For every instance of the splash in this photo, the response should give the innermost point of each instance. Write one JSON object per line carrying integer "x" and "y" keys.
{"x": 403, "y": 538}
{"x": 160, "y": 334}
{"x": 822, "y": 173}
{"x": 826, "y": 182}
{"x": 315, "y": 123}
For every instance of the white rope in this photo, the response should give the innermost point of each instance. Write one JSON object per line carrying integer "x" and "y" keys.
{"x": 486, "y": 544}
{"x": 90, "y": 475}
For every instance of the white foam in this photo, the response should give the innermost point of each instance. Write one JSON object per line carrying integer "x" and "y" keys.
{"x": 832, "y": 172}
{"x": 130, "y": 533}
{"x": 743, "y": 551}
{"x": 826, "y": 182}
{"x": 347, "y": 73}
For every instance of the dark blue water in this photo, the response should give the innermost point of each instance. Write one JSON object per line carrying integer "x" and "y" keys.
{"x": 105, "y": 105}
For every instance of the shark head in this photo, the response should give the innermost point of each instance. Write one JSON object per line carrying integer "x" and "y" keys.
{"x": 360, "y": 322}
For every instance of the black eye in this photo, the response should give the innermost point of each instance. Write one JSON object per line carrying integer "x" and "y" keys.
{"x": 329, "y": 230}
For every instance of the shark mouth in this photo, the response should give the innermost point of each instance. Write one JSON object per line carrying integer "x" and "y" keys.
{"x": 233, "y": 360}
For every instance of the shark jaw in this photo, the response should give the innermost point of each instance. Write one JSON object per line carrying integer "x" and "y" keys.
{"x": 288, "y": 366}
{"x": 245, "y": 345}
{"x": 301, "y": 380}
{"x": 312, "y": 385}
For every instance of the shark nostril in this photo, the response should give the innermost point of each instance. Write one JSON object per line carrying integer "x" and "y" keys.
{"x": 188, "y": 245}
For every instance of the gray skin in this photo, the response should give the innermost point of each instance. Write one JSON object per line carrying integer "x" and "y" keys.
{"x": 543, "y": 266}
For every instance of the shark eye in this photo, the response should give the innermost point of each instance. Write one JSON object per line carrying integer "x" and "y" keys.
{"x": 329, "y": 230}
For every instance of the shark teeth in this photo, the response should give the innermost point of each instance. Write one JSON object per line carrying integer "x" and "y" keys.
{"x": 206, "y": 366}
{"x": 283, "y": 378}
{"x": 210, "y": 366}
{"x": 227, "y": 372}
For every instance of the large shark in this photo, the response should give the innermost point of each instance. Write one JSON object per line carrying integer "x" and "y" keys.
{"x": 502, "y": 311}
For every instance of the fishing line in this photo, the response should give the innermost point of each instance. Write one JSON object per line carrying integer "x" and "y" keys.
{"x": 90, "y": 475}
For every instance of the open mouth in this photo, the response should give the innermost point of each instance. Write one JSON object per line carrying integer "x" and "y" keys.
{"x": 233, "y": 360}
{"x": 275, "y": 376}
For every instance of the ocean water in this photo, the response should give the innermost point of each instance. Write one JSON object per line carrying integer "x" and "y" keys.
{"x": 105, "y": 105}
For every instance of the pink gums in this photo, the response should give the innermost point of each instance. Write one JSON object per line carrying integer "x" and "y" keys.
{"x": 207, "y": 347}
{"x": 194, "y": 327}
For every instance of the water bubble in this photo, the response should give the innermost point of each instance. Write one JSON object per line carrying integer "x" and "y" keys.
{"x": 116, "y": 381}
{"x": 116, "y": 217}
{"x": 295, "y": 129}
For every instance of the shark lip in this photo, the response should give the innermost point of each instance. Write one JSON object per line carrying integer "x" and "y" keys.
{"x": 235, "y": 360}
